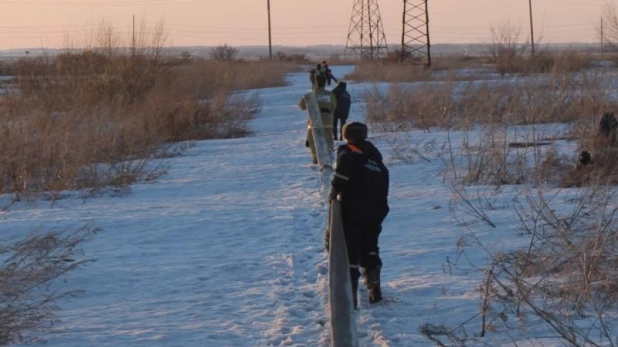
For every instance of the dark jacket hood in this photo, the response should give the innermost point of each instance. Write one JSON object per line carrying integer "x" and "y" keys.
{"x": 368, "y": 148}
{"x": 340, "y": 88}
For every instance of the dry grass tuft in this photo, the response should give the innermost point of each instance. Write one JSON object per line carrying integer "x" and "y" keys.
{"x": 602, "y": 170}
{"x": 28, "y": 299}
{"x": 96, "y": 117}
{"x": 380, "y": 71}
{"x": 548, "y": 99}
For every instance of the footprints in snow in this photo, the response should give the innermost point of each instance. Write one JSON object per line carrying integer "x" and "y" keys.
{"x": 309, "y": 294}
{"x": 298, "y": 292}
{"x": 322, "y": 269}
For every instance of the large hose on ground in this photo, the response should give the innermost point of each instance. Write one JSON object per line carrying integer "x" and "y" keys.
{"x": 342, "y": 316}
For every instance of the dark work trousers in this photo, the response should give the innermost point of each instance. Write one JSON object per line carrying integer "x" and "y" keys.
{"x": 362, "y": 245}
{"x": 335, "y": 121}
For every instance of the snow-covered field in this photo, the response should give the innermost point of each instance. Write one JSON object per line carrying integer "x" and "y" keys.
{"x": 226, "y": 249}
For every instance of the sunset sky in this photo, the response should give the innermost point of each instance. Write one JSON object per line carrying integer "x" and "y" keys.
{"x": 48, "y": 23}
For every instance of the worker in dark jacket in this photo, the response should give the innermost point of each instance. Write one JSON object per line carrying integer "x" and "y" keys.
{"x": 361, "y": 183}
{"x": 344, "y": 101}
{"x": 329, "y": 73}
{"x": 314, "y": 72}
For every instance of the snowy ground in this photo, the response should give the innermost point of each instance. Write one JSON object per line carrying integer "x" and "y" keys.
{"x": 227, "y": 248}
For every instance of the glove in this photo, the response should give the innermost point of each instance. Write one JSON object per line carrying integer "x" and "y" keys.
{"x": 307, "y": 143}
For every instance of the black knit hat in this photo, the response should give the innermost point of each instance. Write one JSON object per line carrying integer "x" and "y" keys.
{"x": 354, "y": 131}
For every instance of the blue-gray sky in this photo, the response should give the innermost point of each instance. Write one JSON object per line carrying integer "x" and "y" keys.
{"x": 48, "y": 23}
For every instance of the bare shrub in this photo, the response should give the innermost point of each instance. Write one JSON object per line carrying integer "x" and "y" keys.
{"x": 224, "y": 52}
{"x": 224, "y": 115}
{"x": 338, "y": 59}
{"x": 509, "y": 55}
{"x": 561, "y": 62}
{"x": 565, "y": 277}
{"x": 610, "y": 27}
{"x": 210, "y": 77}
{"x": 501, "y": 155}
{"x": 444, "y": 336}
{"x": 407, "y": 149}
{"x": 389, "y": 72}
{"x": 443, "y": 68}
{"x": 494, "y": 161}
{"x": 505, "y": 54}
{"x": 405, "y": 108}
{"x": 473, "y": 204}
{"x": 505, "y": 51}
{"x": 28, "y": 273}
{"x": 560, "y": 97}
{"x": 43, "y": 152}
{"x": 7, "y": 68}
{"x": 603, "y": 169}
{"x": 292, "y": 58}
{"x": 97, "y": 116}
{"x": 562, "y": 277}
{"x": 457, "y": 62}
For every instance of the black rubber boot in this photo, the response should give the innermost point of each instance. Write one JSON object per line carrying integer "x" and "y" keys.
{"x": 372, "y": 281}
{"x": 354, "y": 276}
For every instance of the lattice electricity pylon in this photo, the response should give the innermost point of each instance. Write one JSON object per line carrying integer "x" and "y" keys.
{"x": 415, "y": 45}
{"x": 366, "y": 39}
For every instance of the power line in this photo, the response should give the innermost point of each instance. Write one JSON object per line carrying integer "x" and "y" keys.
{"x": 61, "y": 26}
{"x": 232, "y": 30}
{"x": 590, "y": 3}
{"x": 285, "y": 31}
{"x": 476, "y": 8}
{"x": 279, "y": 28}
{"x": 253, "y": 28}
{"x": 108, "y": 3}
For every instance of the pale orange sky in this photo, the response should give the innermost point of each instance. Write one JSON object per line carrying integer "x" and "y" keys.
{"x": 47, "y": 23}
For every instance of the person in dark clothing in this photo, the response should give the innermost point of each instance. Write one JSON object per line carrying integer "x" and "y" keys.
{"x": 608, "y": 126}
{"x": 329, "y": 73}
{"x": 361, "y": 183}
{"x": 344, "y": 101}
{"x": 313, "y": 73}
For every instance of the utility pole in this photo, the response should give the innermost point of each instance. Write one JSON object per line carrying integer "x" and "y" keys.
{"x": 270, "y": 42}
{"x": 602, "y": 36}
{"x": 531, "y": 27}
{"x": 133, "y": 39}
